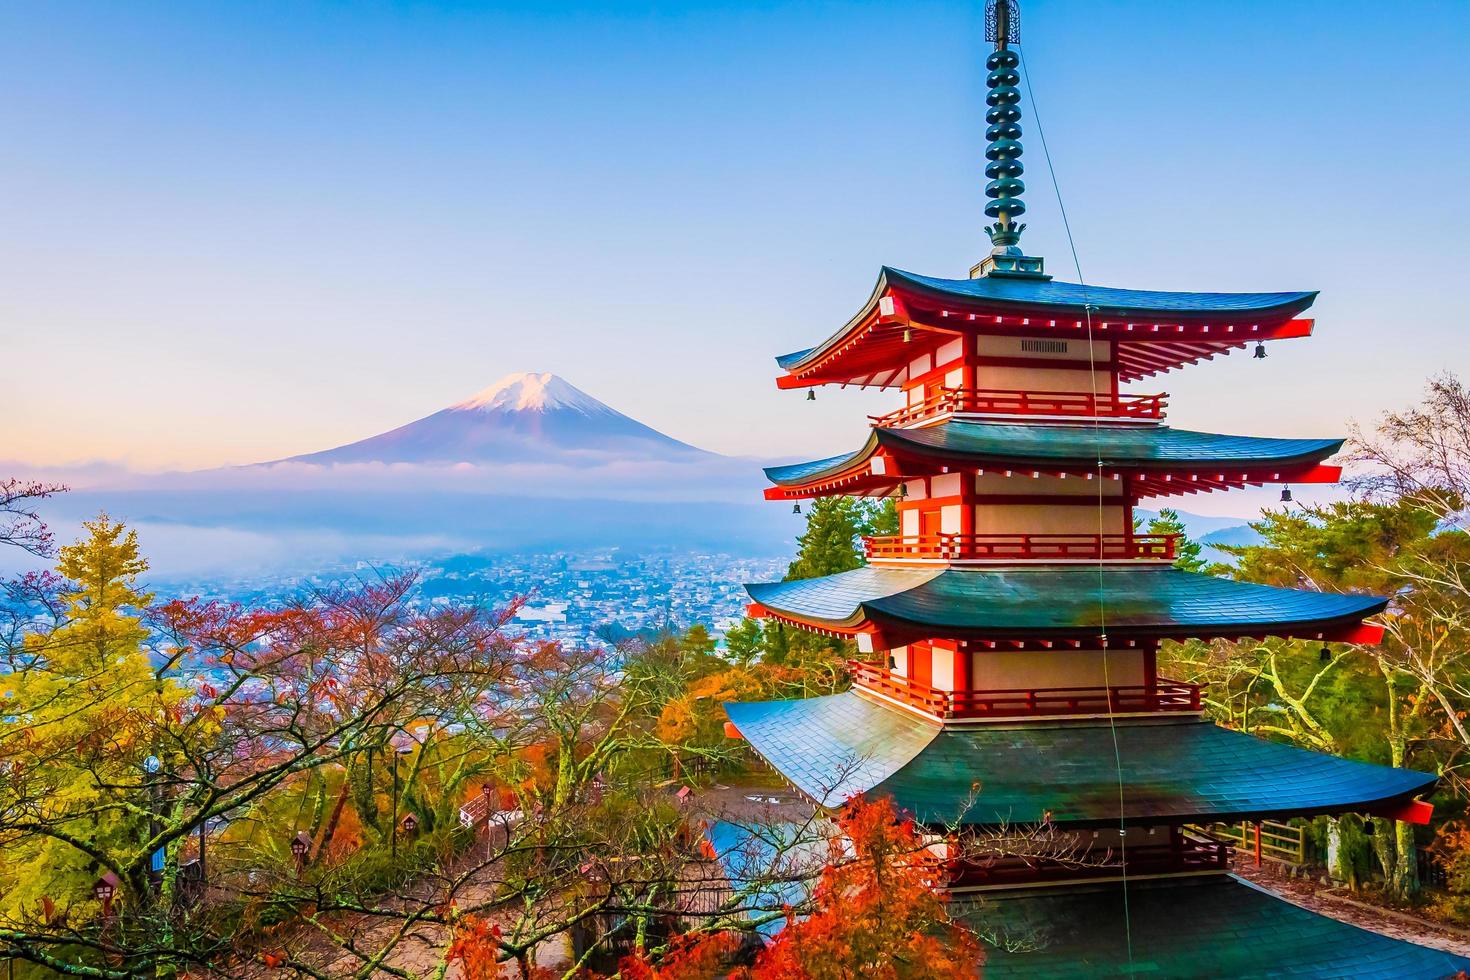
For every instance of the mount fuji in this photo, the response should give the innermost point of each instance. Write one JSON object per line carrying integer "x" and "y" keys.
{"x": 531, "y": 463}
{"x": 522, "y": 418}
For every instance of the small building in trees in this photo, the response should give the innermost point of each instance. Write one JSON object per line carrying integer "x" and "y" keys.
{"x": 1008, "y": 687}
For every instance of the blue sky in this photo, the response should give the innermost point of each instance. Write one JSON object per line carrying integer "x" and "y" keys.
{"x": 235, "y": 232}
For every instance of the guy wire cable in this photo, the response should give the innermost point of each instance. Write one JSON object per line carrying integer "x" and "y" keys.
{"x": 1102, "y": 607}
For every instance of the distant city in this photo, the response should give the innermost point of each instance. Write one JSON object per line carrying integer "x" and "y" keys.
{"x": 589, "y": 598}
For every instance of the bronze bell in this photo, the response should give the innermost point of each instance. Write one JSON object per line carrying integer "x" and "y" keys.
{"x": 1286, "y": 495}
{"x": 796, "y": 508}
{"x": 1260, "y": 350}
{"x": 811, "y": 394}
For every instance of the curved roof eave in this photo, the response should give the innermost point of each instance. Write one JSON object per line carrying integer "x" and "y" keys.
{"x": 833, "y": 747}
{"x": 1105, "y": 301}
{"x": 793, "y": 474}
{"x": 1068, "y": 297}
{"x": 1151, "y": 447}
{"x": 1133, "y": 446}
{"x": 1061, "y": 601}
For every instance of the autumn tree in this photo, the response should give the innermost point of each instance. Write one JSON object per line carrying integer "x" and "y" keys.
{"x": 875, "y": 911}
{"x": 246, "y": 776}
{"x": 83, "y": 708}
{"x": 1420, "y": 453}
{"x": 20, "y": 523}
{"x": 878, "y": 914}
{"x": 134, "y": 732}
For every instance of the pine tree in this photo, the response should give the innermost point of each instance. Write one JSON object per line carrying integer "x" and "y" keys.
{"x": 1186, "y": 549}
{"x": 830, "y": 542}
{"x": 745, "y": 641}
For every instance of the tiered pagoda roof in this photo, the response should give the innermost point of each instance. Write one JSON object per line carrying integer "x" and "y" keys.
{"x": 1156, "y": 331}
{"x": 1048, "y": 604}
{"x": 1174, "y": 770}
{"x": 1162, "y": 460}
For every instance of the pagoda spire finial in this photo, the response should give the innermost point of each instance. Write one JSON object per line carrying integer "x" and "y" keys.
{"x": 1003, "y": 135}
{"x": 1003, "y": 145}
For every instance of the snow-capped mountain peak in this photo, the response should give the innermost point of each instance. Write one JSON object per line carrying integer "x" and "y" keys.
{"x": 531, "y": 392}
{"x": 531, "y": 417}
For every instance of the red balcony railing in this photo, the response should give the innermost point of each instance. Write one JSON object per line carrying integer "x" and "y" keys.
{"x": 995, "y": 401}
{"x": 1189, "y": 852}
{"x": 1166, "y": 695}
{"x": 1025, "y": 547}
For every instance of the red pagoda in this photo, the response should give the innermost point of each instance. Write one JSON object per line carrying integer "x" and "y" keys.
{"x": 1010, "y": 630}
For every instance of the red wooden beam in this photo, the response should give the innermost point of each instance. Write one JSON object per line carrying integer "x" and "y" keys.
{"x": 1415, "y": 812}
{"x": 1366, "y": 634}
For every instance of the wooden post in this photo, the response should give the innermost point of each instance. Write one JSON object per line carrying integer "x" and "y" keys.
{"x": 1258, "y": 845}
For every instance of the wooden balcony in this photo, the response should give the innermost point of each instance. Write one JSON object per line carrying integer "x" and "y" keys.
{"x": 1164, "y": 696}
{"x": 1188, "y": 852}
{"x": 1020, "y": 547}
{"x": 996, "y": 401}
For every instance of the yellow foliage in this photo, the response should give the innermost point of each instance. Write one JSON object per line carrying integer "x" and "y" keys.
{"x": 700, "y": 710}
{"x": 79, "y": 722}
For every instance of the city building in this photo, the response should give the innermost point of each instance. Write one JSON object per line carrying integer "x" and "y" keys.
{"x": 1010, "y": 631}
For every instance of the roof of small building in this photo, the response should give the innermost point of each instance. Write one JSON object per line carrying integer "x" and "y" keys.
{"x": 1182, "y": 769}
{"x": 1060, "y": 601}
{"x": 1121, "y": 446}
{"x": 1216, "y": 926}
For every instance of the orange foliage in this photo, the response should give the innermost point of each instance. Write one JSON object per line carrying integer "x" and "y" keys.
{"x": 1451, "y": 848}
{"x": 346, "y": 836}
{"x": 700, "y": 707}
{"x": 476, "y": 946}
{"x": 476, "y": 949}
{"x": 689, "y": 958}
{"x": 877, "y": 916}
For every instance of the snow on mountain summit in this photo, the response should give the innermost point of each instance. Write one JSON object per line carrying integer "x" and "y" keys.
{"x": 530, "y": 417}
{"x": 531, "y": 392}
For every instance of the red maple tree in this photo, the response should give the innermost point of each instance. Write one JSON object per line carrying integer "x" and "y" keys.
{"x": 877, "y": 916}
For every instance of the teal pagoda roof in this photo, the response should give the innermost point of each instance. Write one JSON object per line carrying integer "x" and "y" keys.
{"x": 1145, "y": 449}
{"x": 1044, "y": 297}
{"x": 1182, "y": 769}
{"x": 1106, "y": 301}
{"x": 1216, "y": 926}
{"x": 1054, "y": 601}
{"x": 1154, "y": 329}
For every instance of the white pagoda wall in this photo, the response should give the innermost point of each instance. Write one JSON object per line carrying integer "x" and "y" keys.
{"x": 1032, "y": 669}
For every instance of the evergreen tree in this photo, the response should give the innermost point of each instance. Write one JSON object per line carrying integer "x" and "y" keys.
{"x": 834, "y": 526}
{"x": 830, "y": 542}
{"x": 1186, "y": 549}
{"x": 745, "y": 641}
{"x": 697, "y": 643}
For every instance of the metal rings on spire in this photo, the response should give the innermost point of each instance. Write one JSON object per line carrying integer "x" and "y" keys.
{"x": 1003, "y": 136}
